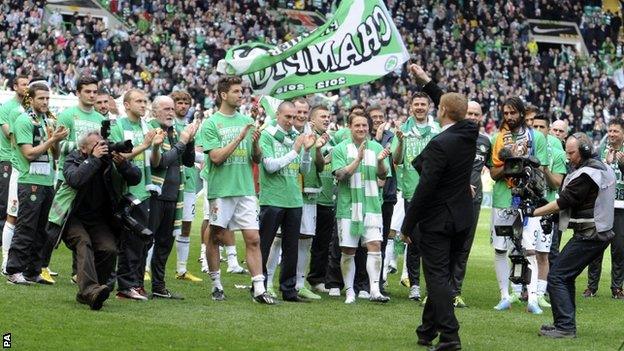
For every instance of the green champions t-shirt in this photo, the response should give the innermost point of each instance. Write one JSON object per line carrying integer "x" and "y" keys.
{"x": 234, "y": 177}
{"x": 79, "y": 123}
{"x": 282, "y": 188}
{"x": 341, "y": 135}
{"x": 619, "y": 181}
{"x": 557, "y": 159}
{"x": 415, "y": 138}
{"x": 6, "y": 153}
{"x": 32, "y": 130}
{"x": 326, "y": 196}
{"x": 501, "y": 193}
{"x": 340, "y": 160}
{"x": 191, "y": 174}
{"x": 125, "y": 129}
{"x": 14, "y": 150}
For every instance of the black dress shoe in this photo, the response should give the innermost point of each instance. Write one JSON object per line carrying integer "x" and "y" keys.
{"x": 99, "y": 297}
{"x": 295, "y": 298}
{"x": 446, "y": 346}
{"x": 424, "y": 342}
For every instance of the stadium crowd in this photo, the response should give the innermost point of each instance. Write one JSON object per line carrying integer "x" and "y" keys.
{"x": 481, "y": 49}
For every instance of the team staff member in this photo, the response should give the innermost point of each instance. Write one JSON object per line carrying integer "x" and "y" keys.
{"x": 87, "y": 214}
{"x": 133, "y": 248}
{"x": 38, "y": 145}
{"x": 174, "y": 149}
{"x": 585, "y": 205}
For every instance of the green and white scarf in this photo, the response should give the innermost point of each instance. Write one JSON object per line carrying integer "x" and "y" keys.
{"x": 410, "y": 128}
{"x": 158, "y": 176}
{"x": 365, "y": 204}
{"x": 288, "y": 139}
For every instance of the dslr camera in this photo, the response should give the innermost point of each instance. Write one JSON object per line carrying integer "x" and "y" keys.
{"x": 124, "y": 208}
{"x": 120, "y": 147}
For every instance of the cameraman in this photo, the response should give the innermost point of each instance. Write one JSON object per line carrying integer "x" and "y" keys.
{"x": 515, "y": 139}
{"x": 87, "y": 229}
{"x": 585, "y": 203}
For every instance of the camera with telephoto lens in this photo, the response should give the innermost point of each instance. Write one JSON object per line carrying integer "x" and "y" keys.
{"x": 120, "y": 147}
{"x": 528, "y": 187}
{"x": 124, "y": 208}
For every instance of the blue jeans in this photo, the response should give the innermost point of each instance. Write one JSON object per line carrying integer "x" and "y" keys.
{"x": 572, "y": 260}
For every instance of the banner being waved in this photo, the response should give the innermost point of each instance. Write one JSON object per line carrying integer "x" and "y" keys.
{"x": 359, "y": 44}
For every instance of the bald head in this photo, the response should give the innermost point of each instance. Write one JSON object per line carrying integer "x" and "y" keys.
{"x": 559, "y": 129}
{"x": 474, "y": 112}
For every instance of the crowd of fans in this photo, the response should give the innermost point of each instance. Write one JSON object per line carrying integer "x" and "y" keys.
{"x": 480, "y": 48}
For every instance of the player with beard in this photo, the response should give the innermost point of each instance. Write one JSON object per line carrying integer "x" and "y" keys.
{"x": 232, "y": 149}
{"x": 516, "y": 139}
{"x": 102, "y": 103}
{"x": 8, "y": 173}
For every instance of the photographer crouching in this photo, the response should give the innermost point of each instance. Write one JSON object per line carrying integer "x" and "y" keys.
{"x": 585, "y": 205}
{"x": 84, "y": 207}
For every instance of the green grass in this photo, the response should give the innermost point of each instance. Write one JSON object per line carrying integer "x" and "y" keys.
{"x": 48, "y": 317}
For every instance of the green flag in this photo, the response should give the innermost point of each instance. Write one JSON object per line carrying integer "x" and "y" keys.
{"x": 359, "y": 44}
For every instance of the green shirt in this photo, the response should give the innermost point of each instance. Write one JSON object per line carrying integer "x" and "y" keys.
{"x": 414, "y": 143}
{"x": 79, "y": 123}
{"x": 125, "y": 129}
{"x": 341, "y": 135}
{"x": 501, "y": 193}
{"x": 557, "y": 166}
{"x": 282, "y": 188}
{"x": 41, "y": 170}
{"x": 311, "y": 181}
{"x": 234, "y": 177}
{"x": 554, "y": 142}
{"x": 191, "y": 174}
{"x": 339, "y": 161}
{"x": 6, "y": 153}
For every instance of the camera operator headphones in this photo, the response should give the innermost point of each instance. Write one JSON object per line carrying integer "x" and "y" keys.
{"x": 585, "y": 149}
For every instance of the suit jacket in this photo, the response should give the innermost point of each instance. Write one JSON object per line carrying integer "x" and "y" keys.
{"x": 442, "y": 201}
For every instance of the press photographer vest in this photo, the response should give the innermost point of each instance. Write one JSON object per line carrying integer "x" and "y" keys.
{"x": 594, "y": 223}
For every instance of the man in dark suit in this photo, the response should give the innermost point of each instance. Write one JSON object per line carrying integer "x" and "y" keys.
{"x": 439, "y": 216}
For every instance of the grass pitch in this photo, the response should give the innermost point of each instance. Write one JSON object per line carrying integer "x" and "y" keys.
{"x": 49, "y": 318}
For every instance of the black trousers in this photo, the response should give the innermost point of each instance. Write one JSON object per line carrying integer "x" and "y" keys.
{"x": 5, "y": 175}
{"x": 162, "y": 216}
{"x": 387, "y": 208}
{"x": 440, "y": 251}
{"x": 133, "y": 250}
{"x": 555, "y": 243}
{"x": 617, "y": 257}
{"x": 459, "y": 268}
{"x": 95, "y": 248}
{"x": 26, "y": 250}
{"x": 575, "y": 256}
{"x": 412, "y": 259}
{"x": 319, "y": 253}
{"x": 289, "y": 219}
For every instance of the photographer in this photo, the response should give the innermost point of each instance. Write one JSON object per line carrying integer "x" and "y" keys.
{"x": 515, "y": 139}
{"x": 585, "y": 203}
{"x": 87, "y": 229}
